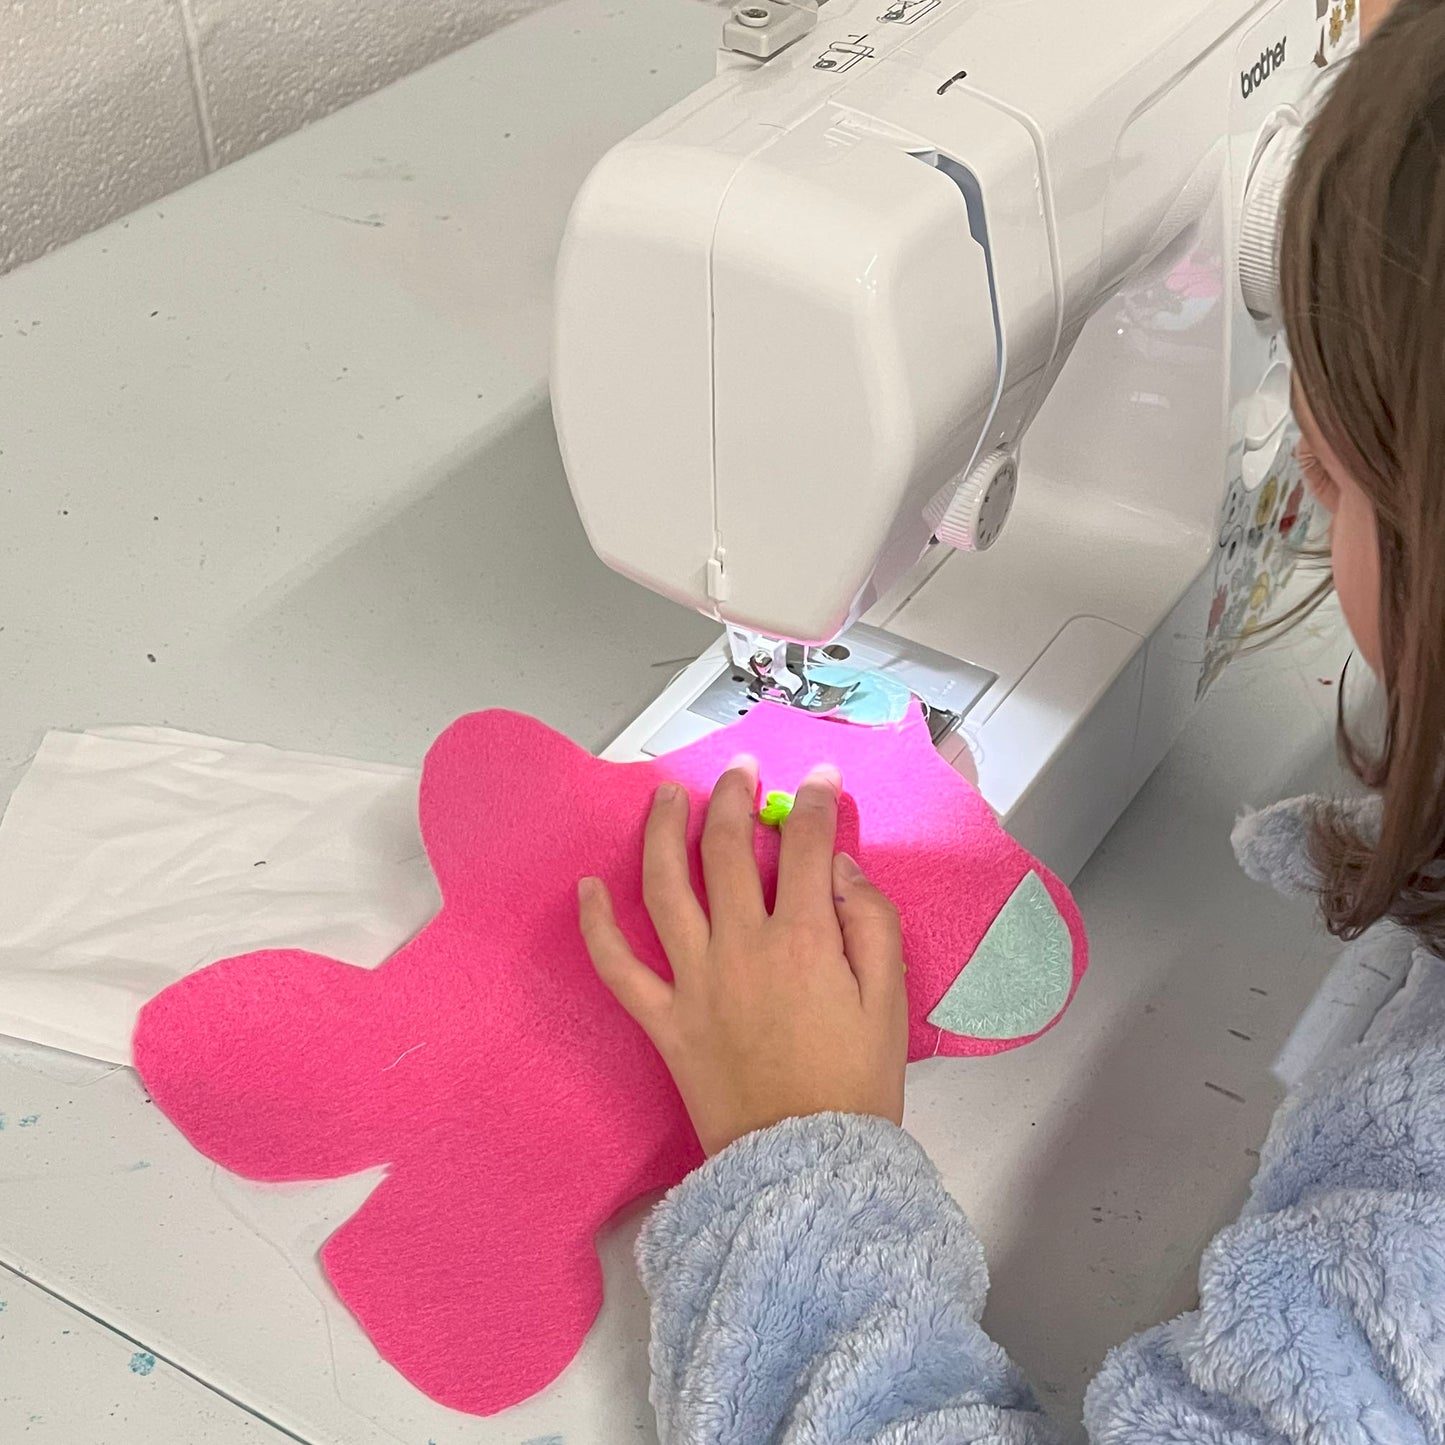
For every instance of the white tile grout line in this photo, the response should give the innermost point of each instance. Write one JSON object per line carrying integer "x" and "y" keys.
{"x": 198, "y": 82}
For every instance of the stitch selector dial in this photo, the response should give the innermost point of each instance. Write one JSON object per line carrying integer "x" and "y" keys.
{"x": 981, "y": 504}
{"x": 1259, "y": 222}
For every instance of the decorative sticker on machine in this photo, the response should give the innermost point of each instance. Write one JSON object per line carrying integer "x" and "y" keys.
{"x": 1339, "y": 28}
{"x": 1261, "y": 536}
{"x": 1266, "y": 526}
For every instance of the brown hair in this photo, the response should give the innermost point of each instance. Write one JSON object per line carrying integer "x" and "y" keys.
{"x": 1363, "y": 289}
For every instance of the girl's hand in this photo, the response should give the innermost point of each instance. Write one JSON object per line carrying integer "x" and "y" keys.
{"x": 768, "y": 1017}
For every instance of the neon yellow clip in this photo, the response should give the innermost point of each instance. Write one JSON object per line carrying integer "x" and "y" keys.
{"x": 776, "y": 807}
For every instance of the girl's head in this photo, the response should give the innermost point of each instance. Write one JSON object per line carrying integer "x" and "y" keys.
{"x": 1363, "y": 285}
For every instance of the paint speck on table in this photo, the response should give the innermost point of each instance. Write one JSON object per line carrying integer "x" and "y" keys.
{"x": 142, "y": 1362}
{"x": 29, "y": 1121}
{"x": 545, "y": 1440}
{"x": 137, "y": 1166}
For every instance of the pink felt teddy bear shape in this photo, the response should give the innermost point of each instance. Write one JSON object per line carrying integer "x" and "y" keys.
{"x": 515, "y": 1106}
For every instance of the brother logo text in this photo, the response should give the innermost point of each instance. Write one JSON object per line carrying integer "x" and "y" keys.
{"x": 1269, "y": 61}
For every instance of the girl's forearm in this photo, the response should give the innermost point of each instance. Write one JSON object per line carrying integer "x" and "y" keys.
{"x": 815, "y": 1283}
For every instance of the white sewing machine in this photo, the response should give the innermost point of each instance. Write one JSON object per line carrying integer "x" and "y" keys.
{"x": 903, "y": 269}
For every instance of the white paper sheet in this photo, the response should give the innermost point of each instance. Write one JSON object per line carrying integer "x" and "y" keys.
{"x": 130, "y": 857}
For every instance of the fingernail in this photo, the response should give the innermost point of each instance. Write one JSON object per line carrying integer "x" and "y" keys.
{"x": 827, "y": 776}
{"x": 669, "y": 792}
{"x": 586, "y": 889}
{"x": 744, "y": 763}
{"x": 848, "y": 868}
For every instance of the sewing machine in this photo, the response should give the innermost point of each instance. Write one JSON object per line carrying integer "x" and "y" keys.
{"x": 939, "y": 277}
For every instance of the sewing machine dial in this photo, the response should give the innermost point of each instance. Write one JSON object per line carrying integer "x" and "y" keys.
{"x": 981, "y": 505}
{"x": 1259, "y": 224}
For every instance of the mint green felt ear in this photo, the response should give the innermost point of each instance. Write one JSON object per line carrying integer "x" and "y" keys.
{"x": 1020, "y": 974}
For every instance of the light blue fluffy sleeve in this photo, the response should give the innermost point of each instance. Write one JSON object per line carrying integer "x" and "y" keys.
{"x": 815, "y": 1282}
{"x": 1321, "y": 1313}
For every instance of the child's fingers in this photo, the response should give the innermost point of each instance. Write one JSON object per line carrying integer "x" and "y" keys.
{"x": 666, "y": 883}
{"x": 640, "y": 991}
{"x": 805, "y": 861}
{"x": 872, "y": 936}
{"x": 729, "y": 865}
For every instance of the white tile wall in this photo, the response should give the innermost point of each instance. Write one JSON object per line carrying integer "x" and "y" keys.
{"x": 272, "y": 66}
{"x": 97, "y": 116}
{"x": 107, "y": 104}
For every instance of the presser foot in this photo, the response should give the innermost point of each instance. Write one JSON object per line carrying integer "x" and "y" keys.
{"x": 866, "y": 677}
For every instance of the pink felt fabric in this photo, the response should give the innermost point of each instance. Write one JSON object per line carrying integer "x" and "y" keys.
{"x": 516, "y": 1106}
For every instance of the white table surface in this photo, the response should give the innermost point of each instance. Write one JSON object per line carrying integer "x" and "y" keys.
{"x": 70, "y": 1380}
{"x": 286, "y": 434}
